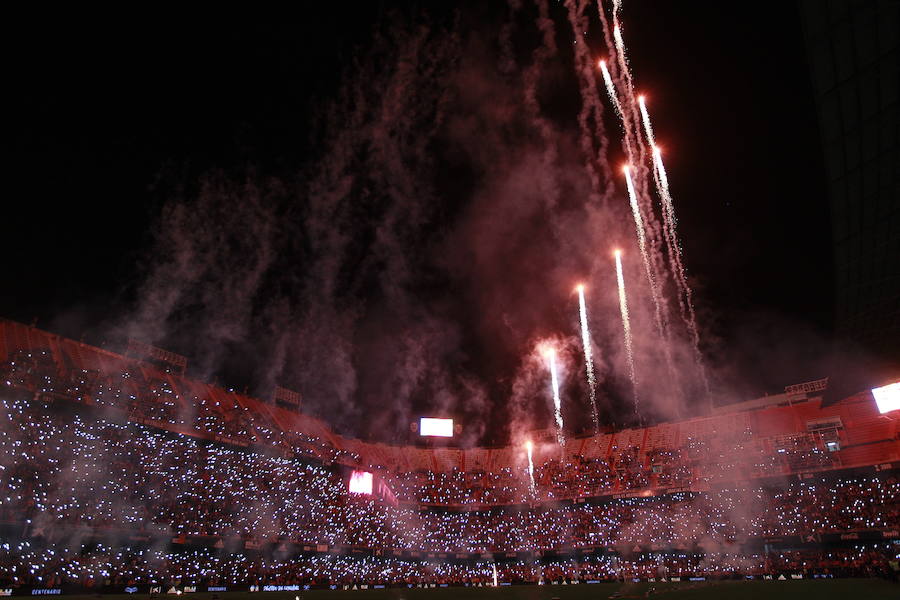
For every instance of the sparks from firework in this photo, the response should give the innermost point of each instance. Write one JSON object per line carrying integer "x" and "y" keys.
{"x": 550, "y": 355}
{"x": 610, "y": 88}
{"x": 588, "y": 359}
{"x": 645, "y": 117}
{"x": 631, "y": 122}
{"x": 625, "y": 73}
{"x": 670, "y": 232}
{"x": 617, "y": 6}
{"x": 634, "y": 112}
{"x": 626, "y": 325}
{"x": 669, "y": 226}
{"x": 636, "y": 213}
{"x": 642, "y": 244}
{"x": 529, "y": 447}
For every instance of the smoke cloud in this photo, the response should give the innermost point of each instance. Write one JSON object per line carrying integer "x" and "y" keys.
{"x": 461, "y": 187}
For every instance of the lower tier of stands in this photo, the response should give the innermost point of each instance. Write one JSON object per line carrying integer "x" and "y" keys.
{"x": 65, "y": 469}
{"x": 109, "y": 569}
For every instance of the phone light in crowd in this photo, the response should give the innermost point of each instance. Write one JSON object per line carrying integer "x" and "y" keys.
{"x": 361, "y": 483}
{"x": 887, "y": 398}
{"x": 436, "y": 427}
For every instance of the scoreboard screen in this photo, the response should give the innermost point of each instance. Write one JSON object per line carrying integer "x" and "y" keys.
{"x": 436, "y": 427}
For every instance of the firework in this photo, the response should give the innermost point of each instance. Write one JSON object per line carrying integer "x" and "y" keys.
{"x": 645, "y": 117}
{"x": 631, "y": 121}
{"x": 685, "y": 298}
{"x": 611, "y": 89}
{"x": 642, "y": 239}
{"x": 588, "y": 359}
{"x": 669, "y": 222}
{"x": 626, "y": 324}
{"x": 529, "y": 447}
{"x": 635, "y": 211}
{"x": 624, "y": 72}
{"x": 557, "y": 406}
{"x": 617, "y": 6}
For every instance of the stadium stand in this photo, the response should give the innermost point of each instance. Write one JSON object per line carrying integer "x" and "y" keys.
{"x": 114, "y": 471}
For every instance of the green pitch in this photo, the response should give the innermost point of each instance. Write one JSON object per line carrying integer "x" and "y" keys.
{"x": 837, "y": 589}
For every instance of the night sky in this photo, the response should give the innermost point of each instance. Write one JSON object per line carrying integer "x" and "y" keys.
{"x": 108, "y": 124}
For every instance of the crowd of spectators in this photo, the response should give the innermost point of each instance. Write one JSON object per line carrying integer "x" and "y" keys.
{"x": 63, "y": 469}
{"x": 700, "y": 462}
{"x": 149, "y": 397}
{"x": 128, "y": 461}
{"x": 100, "y": 566}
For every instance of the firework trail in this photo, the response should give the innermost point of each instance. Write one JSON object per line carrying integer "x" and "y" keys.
{"x": 668, "y": 212}
{"x": 620, "y": 55}
{"x": 626, "y": 326}
{"x": 635, "y": 149}
{"x": 650, "y": 237}
{"x": 638, "y": 219}
{"x": 618, "y": 71}
{"x": 685, "y": 298}
{"x": 670, "y": 233}
{"x": 588, "y": 360}
{"x": 630, "y": 118}
{"x": 611, "y": 90}
{"x": 617, "y": 7}
{"x": 642, "y": 244}
{"x": 625, "y": 72}
{"x": 557, "y": 406}
{"x": 645, "y": 117}
{"x": 529, "y": 447}
{"x": 495, "y": 575}
{"x": 658, "y": 301}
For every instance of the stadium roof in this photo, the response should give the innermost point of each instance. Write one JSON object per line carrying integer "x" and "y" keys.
{"x": 854, "y": 53}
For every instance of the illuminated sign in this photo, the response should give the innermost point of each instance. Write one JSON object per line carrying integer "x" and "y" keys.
{"x": 436, "y": 427}
{"x": 361, "y": 482}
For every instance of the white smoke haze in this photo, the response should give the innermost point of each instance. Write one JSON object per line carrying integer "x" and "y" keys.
{"x": 449, "y": 210}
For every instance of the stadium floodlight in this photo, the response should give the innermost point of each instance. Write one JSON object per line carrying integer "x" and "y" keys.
{"x": 436, "y": 427}
{"x": 887, "y": 397}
